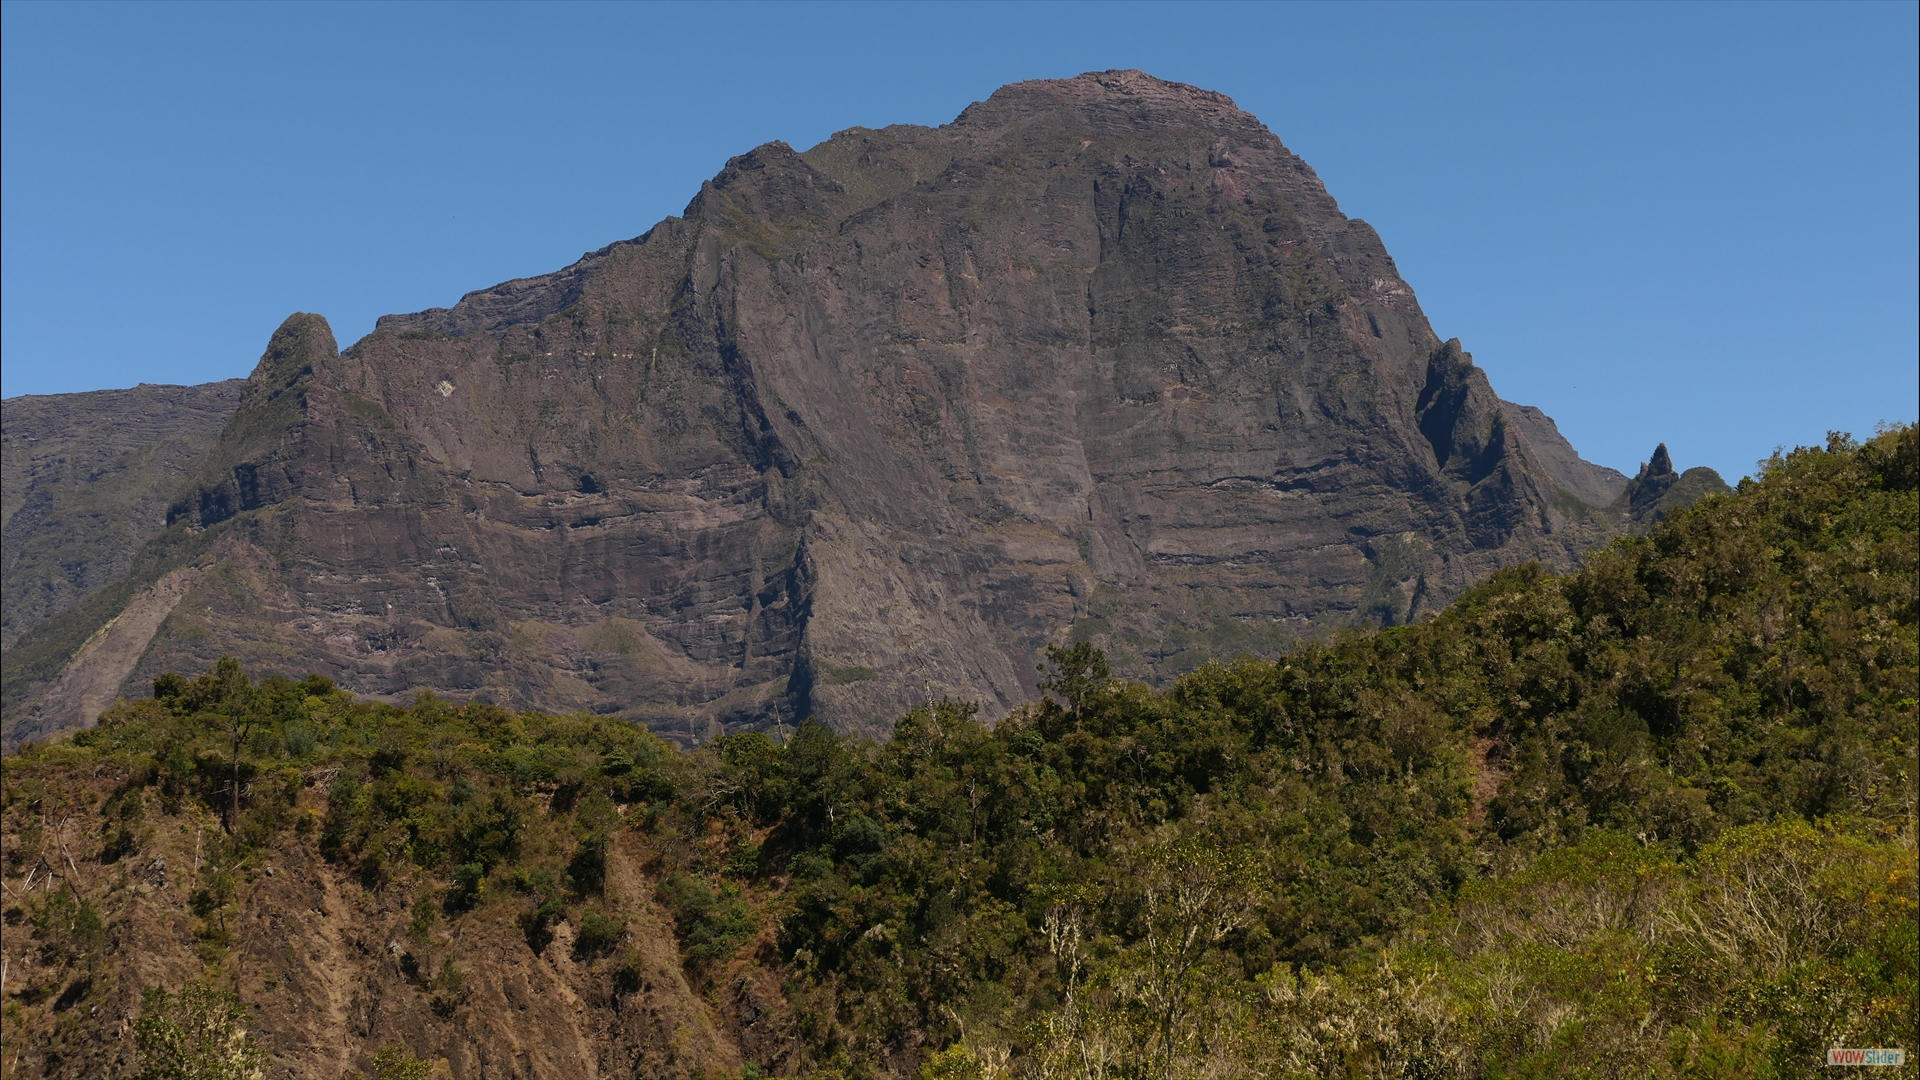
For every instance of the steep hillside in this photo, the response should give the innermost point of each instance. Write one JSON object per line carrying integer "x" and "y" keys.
{"x": 1100, "y": 360}
{"x": 1655, "y": 818}
{"x": 85, "y": 480}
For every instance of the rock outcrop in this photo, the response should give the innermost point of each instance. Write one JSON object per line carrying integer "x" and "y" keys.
{"x": 1099, "y": 360}
{"x": 1658, "y": 490}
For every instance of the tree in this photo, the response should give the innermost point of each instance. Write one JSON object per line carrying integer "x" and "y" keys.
{"x": 240, "y": 722}
{"x": 1192, "y": 896}
{"x": 196, "y": 1035}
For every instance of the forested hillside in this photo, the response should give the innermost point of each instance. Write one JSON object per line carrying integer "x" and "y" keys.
{"x": 1654, "y": 818}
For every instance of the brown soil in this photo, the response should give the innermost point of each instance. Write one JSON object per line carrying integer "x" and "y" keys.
{"x": 329, "y": 971}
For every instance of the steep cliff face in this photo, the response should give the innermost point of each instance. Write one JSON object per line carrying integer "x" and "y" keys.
{"x": 1099, "y": 360}
{"x": 87, "y": 480}
{"x": 1590, "y": 484}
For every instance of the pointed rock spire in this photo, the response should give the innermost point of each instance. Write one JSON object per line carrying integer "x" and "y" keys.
{"x": 1651, "y": 484}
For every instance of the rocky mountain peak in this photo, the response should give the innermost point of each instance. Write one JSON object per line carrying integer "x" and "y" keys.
{"x": 1661, "y": 464}
{"x": 1655, "y": 478}
{"x": 1141, "y": 100}
{"x": 1658, "y": 490}
{"x": 1098, "y": 361}
{"x": 258, "y": 460}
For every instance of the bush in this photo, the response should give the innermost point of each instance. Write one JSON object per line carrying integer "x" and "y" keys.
{"x": 711, "y": 926}
{"x": 395, "y": 1062}
{"x": 464, "y": 892}
{"x": 597, "y": 936}
{"x": 68, "y": 928}
{"x": 536, "y": 923}
{"x": 587, "y": 869}
{"x": 195, "y": 1035}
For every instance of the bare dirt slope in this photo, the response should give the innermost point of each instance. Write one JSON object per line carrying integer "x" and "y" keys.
{"x": 91, "y": 681}
{"x": 331, "y": 970}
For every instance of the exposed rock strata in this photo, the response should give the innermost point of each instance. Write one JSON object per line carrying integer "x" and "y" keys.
{"x": 1101, "y": 359}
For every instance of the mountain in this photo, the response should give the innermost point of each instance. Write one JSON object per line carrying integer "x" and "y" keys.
{"x": 1101, "y": 360}
{"x": 1657, "y": 490}
{"x": 85, "y": 479}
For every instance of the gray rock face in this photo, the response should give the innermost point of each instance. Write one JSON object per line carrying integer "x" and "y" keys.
{"x": 1099, "y": 360}
{"x": 1655, "y": 479}
{"x": 87, "y": 479}
{"x": 1594, "y": 485}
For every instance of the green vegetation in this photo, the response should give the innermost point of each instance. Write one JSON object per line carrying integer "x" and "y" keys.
{"x": 1656, "y": 818}
{"x": 196, "y": 1035}
{"x": 394, "y": 1063}
{"x": 369, "y": 411}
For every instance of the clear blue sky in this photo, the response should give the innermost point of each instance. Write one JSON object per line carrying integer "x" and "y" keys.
{"x": 1658, "y": 222}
